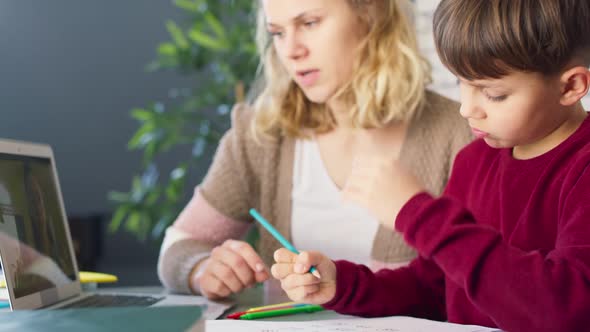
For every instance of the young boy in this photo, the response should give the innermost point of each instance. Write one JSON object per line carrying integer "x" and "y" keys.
{"x": 508, "y": 243}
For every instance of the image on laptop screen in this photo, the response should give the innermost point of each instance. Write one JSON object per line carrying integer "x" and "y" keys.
{"x": 32, "y": 226}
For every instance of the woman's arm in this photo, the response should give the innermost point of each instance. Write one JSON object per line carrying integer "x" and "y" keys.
{"x": 198, "y": 229}
{"x": 216, "y": 215}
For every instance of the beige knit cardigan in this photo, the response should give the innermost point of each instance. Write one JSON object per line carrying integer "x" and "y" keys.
{"x": 245, "y": 174}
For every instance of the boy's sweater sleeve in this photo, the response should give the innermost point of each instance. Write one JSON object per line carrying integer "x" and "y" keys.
{"x": 519, "y": 290}
{"x": 416, "y": 290}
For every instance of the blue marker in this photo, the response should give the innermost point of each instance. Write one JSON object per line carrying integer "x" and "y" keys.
{"x": 278, "y": 236}
{"x": 4, "y": 304}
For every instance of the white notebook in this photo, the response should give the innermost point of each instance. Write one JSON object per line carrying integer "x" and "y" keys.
{"x": 349, "y": 324}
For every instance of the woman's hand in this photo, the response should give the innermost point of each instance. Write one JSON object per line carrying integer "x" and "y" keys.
{"x": 231, "y": 268}
{"x": 300, "y": 285}
{"x": 381, "y": 185}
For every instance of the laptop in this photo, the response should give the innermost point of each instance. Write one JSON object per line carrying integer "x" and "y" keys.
{"x": 36, "y": 251}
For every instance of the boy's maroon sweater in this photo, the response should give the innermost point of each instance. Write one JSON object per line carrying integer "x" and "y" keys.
{"x": 507, "y": 245}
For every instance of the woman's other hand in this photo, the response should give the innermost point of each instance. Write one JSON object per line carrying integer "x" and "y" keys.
{"x": 231, "y": 268}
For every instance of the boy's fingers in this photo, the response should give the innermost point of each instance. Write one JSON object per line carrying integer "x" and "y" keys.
{"x": 281, "y": 271}
{"x": 283, "y": 255}
{"x": 306, "y": 259}
{"x": 294, "y": 281}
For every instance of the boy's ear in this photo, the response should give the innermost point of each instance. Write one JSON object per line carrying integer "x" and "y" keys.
{"x": 575, "y": 83}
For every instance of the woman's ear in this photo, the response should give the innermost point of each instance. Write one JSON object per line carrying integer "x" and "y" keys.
{"x": 575, "y": 83}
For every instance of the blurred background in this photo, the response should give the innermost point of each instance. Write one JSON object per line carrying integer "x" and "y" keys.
{"x": 71, "y": 73}
{"x": 133, "y": 97}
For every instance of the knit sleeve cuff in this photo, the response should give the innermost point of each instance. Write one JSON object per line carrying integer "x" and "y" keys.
{"x": 345, "y": 275}
{"x": 177, "y": 262}
{"x": 409, "y": 212}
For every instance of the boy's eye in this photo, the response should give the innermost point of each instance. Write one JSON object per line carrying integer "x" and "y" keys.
{"x": 497, "y": 98}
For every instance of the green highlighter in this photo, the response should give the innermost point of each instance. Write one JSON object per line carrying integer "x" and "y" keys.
{"x": 281, "y": 312}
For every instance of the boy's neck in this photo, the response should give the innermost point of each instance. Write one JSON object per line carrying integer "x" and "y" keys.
{"x": 556, "y": 137}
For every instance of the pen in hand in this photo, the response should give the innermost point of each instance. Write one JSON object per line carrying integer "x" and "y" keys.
{"x": 279, "y": 237}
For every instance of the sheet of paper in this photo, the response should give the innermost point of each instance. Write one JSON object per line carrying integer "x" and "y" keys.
{"x": 353, "y": 324}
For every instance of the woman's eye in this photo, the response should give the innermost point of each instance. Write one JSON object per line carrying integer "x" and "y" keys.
{"x": 311, "y": 23}
{"x": 275, "y": 34}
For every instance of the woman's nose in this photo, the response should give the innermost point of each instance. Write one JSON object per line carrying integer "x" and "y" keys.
{"x": 294, "y": 47}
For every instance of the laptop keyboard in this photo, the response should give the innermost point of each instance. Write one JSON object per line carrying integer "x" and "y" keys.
{"x": 96, "y": 300}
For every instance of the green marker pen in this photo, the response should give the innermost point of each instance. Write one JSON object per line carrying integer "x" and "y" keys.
{"x": 281, "y": 312}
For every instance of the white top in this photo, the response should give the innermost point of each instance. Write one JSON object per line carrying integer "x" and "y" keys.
{"x": 320, "y": 219}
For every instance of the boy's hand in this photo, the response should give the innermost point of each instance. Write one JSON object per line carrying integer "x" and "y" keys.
{"x": 382, "y": 185}
{"x": 300, "y": 285}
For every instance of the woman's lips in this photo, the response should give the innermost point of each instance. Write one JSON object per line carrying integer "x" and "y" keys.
{"x": 308, "y": 77}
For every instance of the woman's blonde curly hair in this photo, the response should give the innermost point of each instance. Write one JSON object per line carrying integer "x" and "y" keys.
{"x": 388, "y": 84}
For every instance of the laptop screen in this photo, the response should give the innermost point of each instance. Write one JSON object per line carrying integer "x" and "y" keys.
{"x": 32, "y": 226}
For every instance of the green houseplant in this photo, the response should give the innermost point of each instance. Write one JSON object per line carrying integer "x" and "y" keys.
{"x": 215, "y": 44}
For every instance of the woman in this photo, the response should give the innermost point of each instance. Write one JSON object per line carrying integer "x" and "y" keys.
{"x": 343, "y": 76}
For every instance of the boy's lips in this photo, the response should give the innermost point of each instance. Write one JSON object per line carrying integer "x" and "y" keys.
{"x": 307, "y": 77}
{"x": 478, "y": 133}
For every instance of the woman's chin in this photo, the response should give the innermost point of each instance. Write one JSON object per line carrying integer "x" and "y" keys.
{"x": 316, "y": 96}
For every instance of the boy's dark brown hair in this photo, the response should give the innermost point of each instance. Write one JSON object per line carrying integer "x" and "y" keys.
{"x": 479, "y": 39}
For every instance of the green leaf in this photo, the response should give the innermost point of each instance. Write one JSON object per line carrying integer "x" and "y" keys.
{"x": 177, "y": 35}
{"x": 173, "y": 191}
{"x": 144, "y": 226}
{"x": 206, "y": 41}
{"x": 115, "y": 223}
{"x": 167, "y": 49}
{"x": 187, "y": 5}
{"x": 150, "y": 151}
{"x": 142, "y": 137}
{"x": 133, "y": 222}
{"x": 136, "y": 187}
{"x": 215, "y": 45}
{"x": 153, "y": 196}
{"x": 215, "y": 25}
{"x": 141, "y": 114}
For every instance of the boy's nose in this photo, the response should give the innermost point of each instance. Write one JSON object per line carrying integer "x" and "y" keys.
{"x": 464, "y": 111}
{"x": 469, "y": 111}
